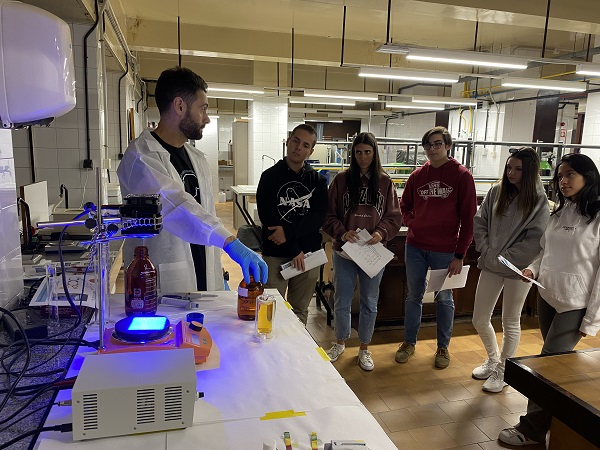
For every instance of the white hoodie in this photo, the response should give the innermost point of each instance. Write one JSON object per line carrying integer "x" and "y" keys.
{"x": 569, "y": 265}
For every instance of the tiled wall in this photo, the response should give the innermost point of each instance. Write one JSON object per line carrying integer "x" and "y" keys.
{"x": 267, "y": 131}
{"x": 59, "y": 150}
{"x": 11, "y": 272}
{"x": 410, "y": 127}
{"x": 591, "y": 129}
{"x": 209, "y": 145}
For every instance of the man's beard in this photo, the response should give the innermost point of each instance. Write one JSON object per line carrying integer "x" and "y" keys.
{"x": 190, "y": 129}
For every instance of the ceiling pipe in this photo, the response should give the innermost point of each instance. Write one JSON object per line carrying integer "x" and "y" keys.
{"x": 292, "y": 79}
{"x": 343, "y": 37}
{"x": 389, "y": 20}
{"x": 179, "y": 39}
{"x": 546, "y": 29}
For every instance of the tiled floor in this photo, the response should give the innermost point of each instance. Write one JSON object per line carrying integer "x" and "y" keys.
{"x": 421, "y": 407}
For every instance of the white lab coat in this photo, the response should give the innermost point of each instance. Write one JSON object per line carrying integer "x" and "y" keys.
{"x": 146, "y": 169}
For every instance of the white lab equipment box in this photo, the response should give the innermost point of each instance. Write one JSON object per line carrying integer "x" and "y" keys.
{"x": 134, "y": 392}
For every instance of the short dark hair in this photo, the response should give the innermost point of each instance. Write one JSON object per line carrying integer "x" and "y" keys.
{"x": 177, "y": 82}
{"x": 437, "y": 130}
{"x": 308, "y": 128}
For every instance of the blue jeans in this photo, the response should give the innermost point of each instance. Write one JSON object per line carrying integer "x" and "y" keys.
{"x": 345, "y": 273}
{"x": 417, "y": 263}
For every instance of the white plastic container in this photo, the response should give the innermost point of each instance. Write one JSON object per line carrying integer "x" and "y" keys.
{"x": 36, "y": 65}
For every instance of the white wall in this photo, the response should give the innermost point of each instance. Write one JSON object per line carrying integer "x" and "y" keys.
{"x": 591, "y": 128}
{"x": 60, "y": 148}
{"x": 267, "y": 131}
{"x": 11, "y": 271}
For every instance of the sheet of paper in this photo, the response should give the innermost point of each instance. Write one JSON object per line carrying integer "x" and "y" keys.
{"x": 311, "y": 260}
{"x": 370, "y": 258}
{"x": 515, "y": 269}
{"x": 438, "y": 280}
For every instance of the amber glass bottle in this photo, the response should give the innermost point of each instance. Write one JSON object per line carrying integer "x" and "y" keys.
{"x": 247, "y": 293}
{"x": 140, "y": 285}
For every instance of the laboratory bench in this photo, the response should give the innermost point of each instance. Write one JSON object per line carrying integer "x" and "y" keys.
{"x": 254, "y": 390}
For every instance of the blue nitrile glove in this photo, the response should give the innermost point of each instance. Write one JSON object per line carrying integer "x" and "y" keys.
{"x": 248, "y": 260}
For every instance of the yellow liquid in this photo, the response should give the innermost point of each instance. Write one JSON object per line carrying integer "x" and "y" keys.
{"x": 265, "y": 318}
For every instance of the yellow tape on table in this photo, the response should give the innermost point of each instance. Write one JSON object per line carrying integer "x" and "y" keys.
{"x": 323, "y": 354}
{"x": 282, "y": 414}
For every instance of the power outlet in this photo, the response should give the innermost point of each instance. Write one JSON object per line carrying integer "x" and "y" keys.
{"x": 88, "y": 164}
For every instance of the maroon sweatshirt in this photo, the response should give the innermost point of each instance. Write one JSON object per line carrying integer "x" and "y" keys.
{"x": 438, "y": 206}
{"x": 383, "y": 217}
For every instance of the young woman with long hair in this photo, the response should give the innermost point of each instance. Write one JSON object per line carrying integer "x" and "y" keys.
{"x": 569, "y": 268}
{"x": 361, "y": 197}
{"x": 509, "y": 223}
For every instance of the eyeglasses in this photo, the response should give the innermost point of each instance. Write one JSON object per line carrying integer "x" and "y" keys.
{"x": 435, "y": 145}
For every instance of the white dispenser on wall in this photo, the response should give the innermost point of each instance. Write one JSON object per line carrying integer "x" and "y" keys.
{"x": 37, "y": 76}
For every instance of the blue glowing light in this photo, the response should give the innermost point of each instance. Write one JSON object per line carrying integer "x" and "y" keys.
{"x": 153, "y": 323}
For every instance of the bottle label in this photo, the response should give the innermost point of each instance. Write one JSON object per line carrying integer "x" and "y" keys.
{"x": 137, "y": 303}
{"x": 242, "y": 292}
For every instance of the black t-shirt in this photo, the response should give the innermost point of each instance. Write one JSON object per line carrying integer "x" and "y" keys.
{"x": 181, "y": 161}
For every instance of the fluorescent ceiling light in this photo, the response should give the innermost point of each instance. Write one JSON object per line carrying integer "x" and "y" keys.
{"x": 240, "y": 88}
{"x": 462, "y": 57}
{"x": 588, "y": 69}
{"x": 230, "y": 96}
{"x": 445, "y": 100}
{"x": 322, "y": 101}
{"x": 357, "y": 96}
{"x": 316, "y": 119}
{"x": 536, "y": 83}
{"x": 211, "y": 117}
{"x": 407, "y": 74}
{"x": 409, "y": 105}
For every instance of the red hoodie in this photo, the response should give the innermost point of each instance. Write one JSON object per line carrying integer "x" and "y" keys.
{"x": 438, "y": 206}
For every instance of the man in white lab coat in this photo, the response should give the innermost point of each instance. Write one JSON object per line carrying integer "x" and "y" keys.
{"x": 187, "y": 252}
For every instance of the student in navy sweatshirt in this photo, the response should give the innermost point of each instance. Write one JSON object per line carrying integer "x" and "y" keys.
{"x": 292, "y": 200}
{"x": 438, "y": 205}
{"x": 361, "y": 197}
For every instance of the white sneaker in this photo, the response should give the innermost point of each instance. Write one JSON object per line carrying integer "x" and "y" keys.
{"x": 335, "y": 351}
{"x": 484, "y": 371}
{"x": 512, "y": 436}
{"x": 365, "y": 361}
{"x": 495, "y": 383}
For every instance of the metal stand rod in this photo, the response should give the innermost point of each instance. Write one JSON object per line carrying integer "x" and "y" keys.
{"x": 101, "y": 264}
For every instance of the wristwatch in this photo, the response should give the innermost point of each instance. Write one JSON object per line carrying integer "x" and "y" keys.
{"x": 459, "y": 255}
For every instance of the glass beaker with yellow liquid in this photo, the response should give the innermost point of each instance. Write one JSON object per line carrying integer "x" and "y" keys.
{"x": 265, "y": 313}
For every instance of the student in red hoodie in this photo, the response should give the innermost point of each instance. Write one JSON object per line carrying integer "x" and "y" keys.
{"x": 363, "y": 196}
{"x": 438, "y": 206}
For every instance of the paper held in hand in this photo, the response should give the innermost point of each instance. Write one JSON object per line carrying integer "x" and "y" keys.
{"x": 311, "y": 260}
{"x": 370, "y": 258}
{"x": 438, "y": 280}
{"x": 515, "y": 269}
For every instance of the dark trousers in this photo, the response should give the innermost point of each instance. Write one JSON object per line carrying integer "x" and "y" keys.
{"x": 561, "y": 334}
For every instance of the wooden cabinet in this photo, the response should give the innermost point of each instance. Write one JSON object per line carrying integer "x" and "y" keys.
{"x": 393, "y": 289}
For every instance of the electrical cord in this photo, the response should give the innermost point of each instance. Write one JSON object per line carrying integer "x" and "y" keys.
{"x": 13, "y": 386}
{"x": 62, "y": 384}
{"x": 30, "y": 413}
{"x": 27, "y": 403}
{"x": 63, "y": 428}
